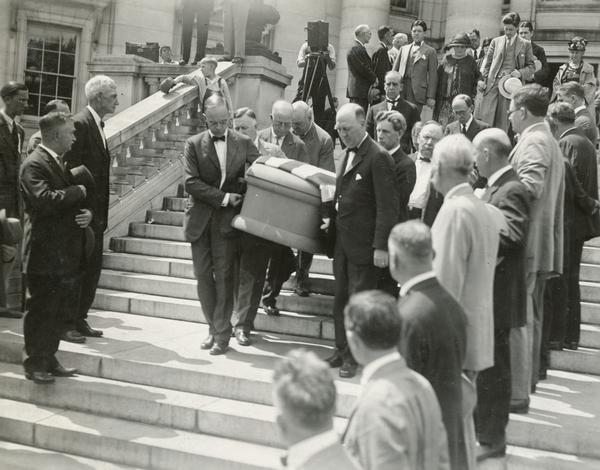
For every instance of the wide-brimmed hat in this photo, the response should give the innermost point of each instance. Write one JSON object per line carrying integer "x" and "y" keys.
{"x": 577, "y": 44}
{"x": 11, "y": 232}
{"x": 81, "y": 175}
{"x": 461, "y": 39}
{"x": 508, "y": 85}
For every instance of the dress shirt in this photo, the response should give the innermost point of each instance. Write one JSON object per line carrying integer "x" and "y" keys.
{"x": 418, "y": 197}
{"x": 305, "y": 50}
{"x": 579, "y": 108}
{"x": 390, "y": 103}
{"x": 467, "y": 125}
{"x": 351, "y": 155}
{"x": 302, "y": 451}
{"x": 393, "y": 151}
{"x": 408, "y": 285}
{"x": 221, "y": 149}
{"x": 10, "y": 121}
{"x": 377, "y": 364}
{"x": 98, "y": 122}
{"x": 497, "y": 174}
{"x": 54, "y": 155}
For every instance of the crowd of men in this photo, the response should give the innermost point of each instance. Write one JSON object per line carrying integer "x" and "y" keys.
{"x": 456, "y": 246}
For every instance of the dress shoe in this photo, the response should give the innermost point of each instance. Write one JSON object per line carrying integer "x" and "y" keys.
{"x": 73, "y": 336}
{"x": 335, "y": 360}
{"x": 60, "y": 371}
{"x": 182, "y": 62}
{"x": 348, "y": 370}
{"x": 543, "y": 375}
{"x": 485, "y": 451}
{"x": 301, "y": 290}
{"x": 208, "y": 342}
{"x": 271, "y": 310}
{"x": 572, "y": 345}
{"x": 519, "y": 406}
{"x": 218, "y": 349}
{"x": 8, "y": 313}
{"x": 39, "y": 377}
{"x": 86, "y": 330}
{"x": 242, "y": 338}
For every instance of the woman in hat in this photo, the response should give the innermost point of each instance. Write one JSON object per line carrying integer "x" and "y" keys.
{"x": 457, "y": 75}
{"x": 577, "y": 70}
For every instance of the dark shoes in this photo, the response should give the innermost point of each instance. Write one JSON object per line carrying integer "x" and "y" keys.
{"x": 519, "y": 406}
{"x": 8, "y": 313}
{"x": 271, "y": 310}
{"x": 208, "y": 342}
{"x": 242, "y": 338}
{"x": 348, "y": 370}
{"x": 301, "y": 290}
{"x": 73, "y": 336}
{"x": 182, "y": 62}
{"x": 86, "y": 330}
{"x": 218, "y": 349}
{"x": 485, "y": 451}
{"x": 335, "y": 360}
{"x": 42, "y": 378}
{"x": 60, "y": 371}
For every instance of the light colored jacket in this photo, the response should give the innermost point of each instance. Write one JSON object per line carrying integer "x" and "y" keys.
{"x": 495, "y": 55}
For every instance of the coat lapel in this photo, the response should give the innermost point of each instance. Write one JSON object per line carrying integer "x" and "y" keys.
{"x": 358, "y": 157}
{"x": 96, "y": 132}
{"x": 212, "y": 151}
{"x": 55, "y": 167}
{"x": 6, "y": 137}
{"x": 232, "y": 147}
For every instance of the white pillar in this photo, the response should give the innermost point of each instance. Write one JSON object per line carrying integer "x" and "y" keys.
{"x": 464, "y": 16}
{"x": 375, "y": 13}
{"x": 523, "y": 8}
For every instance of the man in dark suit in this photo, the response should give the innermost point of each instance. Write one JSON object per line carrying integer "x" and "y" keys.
{"x": 282, "y": 262}
{"x": 574, "y": 94}
{"x": 90, "y": 149}
{"x": 365, "y": 198}
{"x": 304, "y": 397}
{"x": 53, "y": 246}
{"x": 12, "y": 136}
{"x": 360, "y": 68}
{"x": 214, "y": 165}
{"x": 394, "y": 102}
{"x": 541, "y": 75}
{"x": 201, "y": 10}
{"x": 462, "y": 106}
{"x": 506, "y": 192}
{"x": 433, "y": 338}
{"x": 381, "y": 59}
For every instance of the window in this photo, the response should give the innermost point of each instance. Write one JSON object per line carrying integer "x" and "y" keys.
{"x": 399, "y": 5}
{"x": 50, "y": 66}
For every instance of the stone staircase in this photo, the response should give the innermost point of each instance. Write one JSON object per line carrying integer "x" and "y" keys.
{"x": 148, "y": 397}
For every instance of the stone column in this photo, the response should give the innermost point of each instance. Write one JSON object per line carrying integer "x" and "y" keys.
{"x": 354, "y": 12}
{"x": 463, "y": 16}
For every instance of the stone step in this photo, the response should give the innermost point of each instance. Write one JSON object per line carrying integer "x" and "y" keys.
{"x": 590, "y": 336}
{"x": 591, "y": 254}
{"x": 590, "y": 291}
{"x": 189, "y": 310}
{"x": 150, "y": 247}
{"x": 584, "y": 360}
{"x": 589, "y": 272}
{"x": 523, "y": 458}
{"x": 163, "y": 232}
{"x": 165, "y": 217}
{"x": 590, "y": 313}
{"x": 127, "y": 442}
{"x": 20, "y": 457}
{"x": 175, "y": 203}
{"x": 594, "y": 242}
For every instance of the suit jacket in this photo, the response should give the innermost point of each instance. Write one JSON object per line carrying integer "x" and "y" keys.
{"x": 335, "y": 456}
{"x": 203, "y": 176}
{"x": 52, "y": 242}
{"x": 395, "y": 415}
{"x": 542, "y": 75}
{"x": 584, "y": 121}
{"x": 268, "y": 149}
{"x": 319, "y": 148}
{"x": 406, "y": 175}
{"x": 10, "y": 160}
{"x": 366, "y": 198}
{"x": 360, "y": 72}
{"x": 408, "y": 110}
{"x": 474, "y": 128}
{"x": 433, "y": 342}
{"x": 291, "y": 145}
{"x": 537, "y": 159}
{"x": 465, "y": 240}
{"x": 581, "y": 154}
{"x": 423, "y": 76}
{"x": 88, "y": 149}
{"x": 510, "y": 295}
{"x": 381, "y": 65}
{"x": 495, "y": 55}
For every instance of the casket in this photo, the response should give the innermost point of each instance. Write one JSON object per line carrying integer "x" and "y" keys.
{"x": 283, "y": 203}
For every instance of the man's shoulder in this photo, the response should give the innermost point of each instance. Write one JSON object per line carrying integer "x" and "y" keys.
{"x": 264, "y": 133}
{"x": 198, "y": 138}
{"x": 452, "y": 127}
{"x": 376, "y": 108}
{"x": 321, "y": 133}
{"x": 482, "y": 124}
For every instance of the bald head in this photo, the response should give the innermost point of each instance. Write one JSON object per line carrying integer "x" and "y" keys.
{"x": 453, "y": 159}
{"x": 350, "y": 124}
{"x": 281, "y": 116}
{"x": 493, "y": 148}
{"x": 301, "y": 118}
{"x": 410, "y": 249}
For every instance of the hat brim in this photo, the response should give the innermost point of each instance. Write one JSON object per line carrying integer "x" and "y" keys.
{"x": 508, "y": 85}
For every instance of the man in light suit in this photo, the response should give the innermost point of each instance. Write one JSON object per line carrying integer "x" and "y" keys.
{"x": 465, "y": 240}
{"x": 433, "y": 339}
{"x": 507, "y": 55}
{"x": 538, "y": 161}
{"x": 397, "y": 422}
{"x": 365, "y": 197}
{"x": 90, "y": 149}
{"x": 394, "y": 102}
{"x": 319, "y": 149}
{"x": 506, "y": 192}
{"x": 417, "y": 63}
{"x": 282, "y": 263}
{"x": 466, "y": 124}
{"x": 304, "y": 396}
{"x": 214, "y": 165}
{"x": 15, "y": 97}
{"x": 574, "y": 94}
{"x": 360, "y": 68}
{"x": 56, "y": 216}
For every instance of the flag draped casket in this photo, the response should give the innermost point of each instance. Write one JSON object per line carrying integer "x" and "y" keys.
{"x": 284, "y": 203}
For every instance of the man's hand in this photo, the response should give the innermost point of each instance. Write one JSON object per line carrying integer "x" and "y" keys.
{"x": 430, "y": 102}
{"x": 235, "y": 199}
{"x": 82, "y": 187}
{"x": 596, "y": 208}
{"x": 83, "y": 219}
{"x": 481, "y": 85}
{"x": 326, "y": 223}
{"x": 515, "y": 73}
{"x": 380, "y": 258}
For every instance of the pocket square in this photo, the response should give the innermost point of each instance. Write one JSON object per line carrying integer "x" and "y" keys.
{"x": 358, "y": 177}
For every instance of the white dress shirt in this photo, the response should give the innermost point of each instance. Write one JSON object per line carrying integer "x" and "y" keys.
{"x": 53, "y": 154}
{"x": 351, "y": 155}
{"x": 414, "y": 281}
{"x": 302, "y": 451}
{"x": 221, "y": 149}
{"x": 418, "y": 196}
{"x": 377, "y": 364}
{"x": 497, "y": 174}
{"x": 11, "y": 122}
{"x": 467, "y": 125}
{"x": 98, "y": 121}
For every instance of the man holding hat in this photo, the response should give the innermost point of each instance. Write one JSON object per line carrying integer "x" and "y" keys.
{"x": 15, "y": 97}
{"x": 56, "y": 218}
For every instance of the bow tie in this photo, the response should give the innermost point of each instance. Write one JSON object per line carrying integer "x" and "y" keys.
{"x": 353, "y": 149}
{"x": 392, "y": 101}
{"x": 216, "y": 138}
{"x": 425, "y": 159}
{"x": 418, "y": 44}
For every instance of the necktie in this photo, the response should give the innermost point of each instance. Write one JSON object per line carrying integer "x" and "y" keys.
{"x": 217, "y": 138}
{"x": 15, "y": 136}
{"x": 463, "y": 129}
{"x": 350, "y": 152}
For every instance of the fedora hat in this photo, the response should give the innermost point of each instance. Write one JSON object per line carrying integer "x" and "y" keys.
{"x": 11, "y": 232}
{"x": 81, "y": 175}
{"x": 460, "y": 39}
{"x": 509, "y": 85}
